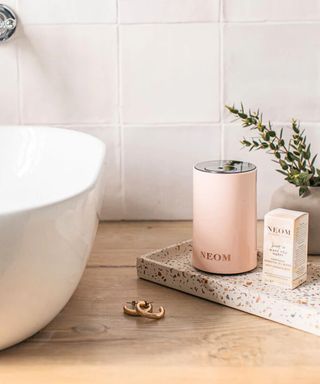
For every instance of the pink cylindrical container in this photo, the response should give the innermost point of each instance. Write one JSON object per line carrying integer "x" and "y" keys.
{"x": 224, "y": 216}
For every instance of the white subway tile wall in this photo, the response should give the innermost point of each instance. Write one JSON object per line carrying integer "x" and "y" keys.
{"x": 175, "y": 11}
{"x": 9, "y": 92}
{"x": 67, "y": 11}
{"x": 169, "y": 73}
{"x": 274, "y": 66}
{"x": 110, "y": 135}
{"x": 68, "y": 74}
{"x": 271, "y": 10}
{"x": 158, "y": 165}
{"x": 150, "y": 78}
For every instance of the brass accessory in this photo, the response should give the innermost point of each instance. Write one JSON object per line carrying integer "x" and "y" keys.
{"x": 147, "y": 307}
{"x": 149, "y": 315}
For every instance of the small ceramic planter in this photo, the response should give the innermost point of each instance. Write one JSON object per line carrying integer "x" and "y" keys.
{"x": 288, "y": 197}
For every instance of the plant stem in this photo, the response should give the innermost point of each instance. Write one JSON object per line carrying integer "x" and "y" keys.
{"x": 294, "y": 160}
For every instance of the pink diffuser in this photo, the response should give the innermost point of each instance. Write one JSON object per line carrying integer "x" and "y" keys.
{"x": 224, "y": 216}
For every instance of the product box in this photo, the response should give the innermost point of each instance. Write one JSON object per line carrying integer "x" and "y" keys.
{"x": 285, "y": 247}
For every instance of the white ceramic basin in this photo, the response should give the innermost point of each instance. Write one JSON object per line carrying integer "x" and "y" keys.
{"x": 51, "y": 193}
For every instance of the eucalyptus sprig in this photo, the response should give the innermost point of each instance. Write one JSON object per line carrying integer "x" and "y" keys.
{"x": 294, "y": 156}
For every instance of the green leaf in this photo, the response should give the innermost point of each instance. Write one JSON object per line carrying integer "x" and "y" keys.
{"x": 232, "y": 109}
{"x": 245, "y": 142}
{"x": 281, "y": 133}
{"x": 283, "y": 164}
{"x": 290, "y": 156}
{"x": 272, "y": 133}
{"x": 314, "y": 159}
{"x": 302, "y": 191}
{"x": 295, "y": 126}
{"x": 308, "y": 152}
{"x": 267, "y": 136}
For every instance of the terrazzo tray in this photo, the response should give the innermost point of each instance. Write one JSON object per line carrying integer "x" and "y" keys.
{"x": 298, "y": 308}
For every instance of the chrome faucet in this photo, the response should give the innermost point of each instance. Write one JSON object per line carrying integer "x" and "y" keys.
{"x": 8, "y": 22}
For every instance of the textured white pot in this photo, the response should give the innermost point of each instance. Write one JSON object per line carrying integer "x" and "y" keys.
{"x": 288, "y": 197}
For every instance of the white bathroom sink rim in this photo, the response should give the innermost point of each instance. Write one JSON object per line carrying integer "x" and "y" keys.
{"x": 51, "y": 129}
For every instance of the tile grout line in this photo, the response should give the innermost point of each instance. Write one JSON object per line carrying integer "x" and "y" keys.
{"x": 76, "y": 124}
{"x": 150, "y": 23}
{"x": 221, "y": 80}
{"x": 229, "y": 22}
{"x": 274, "y": 22}
{"x": 18, "y": 59}
{"x": 18, "y": 84}
{"x": 119, "y": 116}
{"x": 129, "y": 125}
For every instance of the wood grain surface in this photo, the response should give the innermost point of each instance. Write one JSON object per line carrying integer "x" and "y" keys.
{"x": 92, "y": 341}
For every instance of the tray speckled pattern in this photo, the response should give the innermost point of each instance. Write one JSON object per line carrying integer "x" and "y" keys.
{"x": 298, "y": 308}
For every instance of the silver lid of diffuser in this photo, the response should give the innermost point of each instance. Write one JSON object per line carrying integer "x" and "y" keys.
{"x": 225, "y": 166}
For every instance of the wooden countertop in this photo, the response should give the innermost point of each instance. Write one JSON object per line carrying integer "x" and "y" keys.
{"x": 91, "y": 341}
